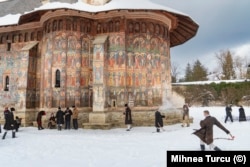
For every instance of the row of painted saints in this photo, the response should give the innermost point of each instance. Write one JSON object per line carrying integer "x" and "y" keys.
{"x": 86, "y": 26}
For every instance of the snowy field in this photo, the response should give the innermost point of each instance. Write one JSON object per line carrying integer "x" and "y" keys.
{"x": 116, "y": 147}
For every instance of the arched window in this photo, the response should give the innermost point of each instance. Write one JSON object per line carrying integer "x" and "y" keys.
{"x": 58, "y": 78}
{"x": 1, "y": 39}
{"x": 60, "y": 27}
{"x": 26, "y": 37}
{"x": 32, "y": 36}
{"x": 54, "y": 25}
{"x": 7, "y": 83}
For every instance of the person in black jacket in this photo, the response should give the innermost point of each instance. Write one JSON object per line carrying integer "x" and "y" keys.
{"x": 67, "y": 114}
{"x": 158, "y": 121}
{"x": 242, "y": 115}
{"x": 128, "y": 117}
{"x": 185, "y": 113}
{"x": 18, "y": 123}
{"x": 9, "y": 122}
{"x": 229, "y": 113}
{"x": 59, "y": 118}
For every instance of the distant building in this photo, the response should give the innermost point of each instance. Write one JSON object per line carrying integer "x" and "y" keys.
{"x": 66, "y": 52}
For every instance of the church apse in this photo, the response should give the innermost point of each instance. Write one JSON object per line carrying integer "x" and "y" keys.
{"x": 97, "y": 61}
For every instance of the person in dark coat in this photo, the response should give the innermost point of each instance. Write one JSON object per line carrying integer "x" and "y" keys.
{"x": 9, "y": 122}
{"x": 39, "y": 119}
{"x": 229, "y": 113}
{"x": 242, "y": 116}
{"x": 67, "y": 114}
{"x": 158, "y": 121}
{"x": 59, "y": 118}
{"x": 185, "y": 116}
{"x": 128, "y": 117}
{"x": 75, "y": 117}
{"x": 18, "y": 123}
{"x": 205, "y": 133}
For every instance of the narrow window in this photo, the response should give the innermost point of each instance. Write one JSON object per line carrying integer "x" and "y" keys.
{"x": 7, "y": 83}
{"x": 26, "y": 37}
{"x": 54, "y": 25}
{"x": 8, "y": 46}
{"x": 60, "y": 27}
{"x": 32, "y": 36}
{"x": 58, "y": 78}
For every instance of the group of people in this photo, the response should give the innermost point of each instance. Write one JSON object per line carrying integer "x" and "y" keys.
{"x": 61, "y": 118}
{"x": 11, "y": 123}
{"x": 242, "y": 115}
{"x": 205, "y": 133}
{"x": 128, "y": 119}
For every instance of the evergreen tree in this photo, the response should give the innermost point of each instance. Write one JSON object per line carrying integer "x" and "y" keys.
{"x": 188, "y": 73}
{"x": 199, "y": 72}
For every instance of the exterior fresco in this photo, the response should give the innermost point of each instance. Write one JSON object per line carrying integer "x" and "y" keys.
{"x": 15, "y": 65}
{"x": 71, "y": 57}
{"x": 64, "y": 64}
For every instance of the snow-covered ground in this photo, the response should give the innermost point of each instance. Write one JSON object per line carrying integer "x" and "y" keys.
{"x": 116, "y": 147}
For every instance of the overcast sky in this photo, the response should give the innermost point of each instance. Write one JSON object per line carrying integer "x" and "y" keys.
{"x": 223, "y": 25}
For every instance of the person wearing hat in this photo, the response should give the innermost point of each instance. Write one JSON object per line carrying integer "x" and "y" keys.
{"x": 9, "y": 122}
{"x": 128, "y": 117}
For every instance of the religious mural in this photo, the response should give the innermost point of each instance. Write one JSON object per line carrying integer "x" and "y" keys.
{"x": 131, "y": 66}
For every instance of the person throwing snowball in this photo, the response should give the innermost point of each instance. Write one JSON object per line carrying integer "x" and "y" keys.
{"x": 205, "y": 133}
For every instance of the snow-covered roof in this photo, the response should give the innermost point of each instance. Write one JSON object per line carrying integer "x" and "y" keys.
{"x": 79, "y": 5}
{"x": 12, "y": 11}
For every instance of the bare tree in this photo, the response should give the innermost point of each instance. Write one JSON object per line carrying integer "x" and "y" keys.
{"x": 240, "y": 67}
{"x": 175, "y": 72}
{"x": 226, "y": 64}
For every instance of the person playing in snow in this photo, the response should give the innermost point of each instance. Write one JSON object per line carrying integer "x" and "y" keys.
{"x": 205, "y": 133}
{"x": 128, "y": 117}
{"x": 39, "y": 119}
{"x": 59, "y": 118}
{"x": 9, "y": 122}
{"x": 158, "y": 121}
{"x": 229, "y": 113}
{"x": 67, "y": 114}
{"x": 242, "y": 115}
{"x": 185, "y": 115}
